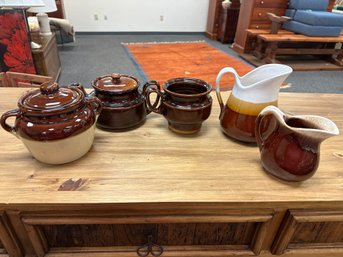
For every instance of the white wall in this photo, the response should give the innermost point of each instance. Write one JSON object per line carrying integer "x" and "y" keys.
{"x": 137, "y": 15}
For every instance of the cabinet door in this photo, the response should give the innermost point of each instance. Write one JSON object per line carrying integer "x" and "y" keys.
{"x": 174, "y": 234}
{"x": 9, "y": 245}
{"x": 310, "y": 231}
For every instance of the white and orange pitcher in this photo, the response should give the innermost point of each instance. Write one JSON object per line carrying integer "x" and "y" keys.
{"x": 250, "y": 94}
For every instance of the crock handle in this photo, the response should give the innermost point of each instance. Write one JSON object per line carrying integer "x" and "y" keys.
{"x": 5, "y": 116}
{"x": 152, "y": 87}
{"x": 95, "y": 104}
{"x": 79, "y": 86}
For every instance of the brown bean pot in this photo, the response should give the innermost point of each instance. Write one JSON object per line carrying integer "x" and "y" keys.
{"x": 55, "y": 123}
{"x": 124, "y": 107}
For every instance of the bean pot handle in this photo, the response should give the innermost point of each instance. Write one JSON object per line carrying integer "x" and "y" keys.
{"x": 5, "y": 116}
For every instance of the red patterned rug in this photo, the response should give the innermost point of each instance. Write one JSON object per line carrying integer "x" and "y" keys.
{"x": 163, "y": 61}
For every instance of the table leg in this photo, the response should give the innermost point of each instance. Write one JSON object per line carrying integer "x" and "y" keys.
{"x": 258, "y": 52}
{"x": 339, "y": 59}
{"x": 271, "y": 52}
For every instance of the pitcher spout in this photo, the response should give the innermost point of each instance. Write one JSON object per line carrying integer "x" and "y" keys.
{"x": 264, "y": 82}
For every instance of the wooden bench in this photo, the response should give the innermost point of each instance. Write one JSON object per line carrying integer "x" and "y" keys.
{"x": 267, "y": 46}
{"x": 257, "y": 45}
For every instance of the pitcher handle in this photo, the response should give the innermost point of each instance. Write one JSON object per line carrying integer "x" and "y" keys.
{"x": 5, "y": 116}
{"x": 219, "y": 76}
{"x": 269, "y": 110}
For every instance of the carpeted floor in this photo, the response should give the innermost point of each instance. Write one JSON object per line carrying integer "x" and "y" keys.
{"x": 95, "y": 55}
{"x": 164, "y": 61}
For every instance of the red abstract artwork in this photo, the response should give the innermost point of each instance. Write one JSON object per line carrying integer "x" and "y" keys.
{"x": 15, "y": 50}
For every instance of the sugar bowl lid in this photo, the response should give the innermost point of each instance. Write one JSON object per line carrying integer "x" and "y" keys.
{"x": 51, "y": 99}
{"x": 115, "y": 83}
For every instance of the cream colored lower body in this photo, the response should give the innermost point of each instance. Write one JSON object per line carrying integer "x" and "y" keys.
{"x": 63, "y": 150}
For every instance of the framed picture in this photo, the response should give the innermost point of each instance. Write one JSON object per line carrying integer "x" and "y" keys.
{"x": 15, "y": 49}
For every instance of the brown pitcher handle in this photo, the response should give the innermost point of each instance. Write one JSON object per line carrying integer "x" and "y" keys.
{"x": 153, "y": 87}
{"x": 269, "y": 110}
{"x": 258, "y": 135}
{"x": 5, "y": 116}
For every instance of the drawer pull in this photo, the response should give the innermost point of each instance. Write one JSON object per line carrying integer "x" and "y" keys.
{"x": 262, "y": 2}
{"x": 155, "y": 249}
{"x": 259, "y": 14}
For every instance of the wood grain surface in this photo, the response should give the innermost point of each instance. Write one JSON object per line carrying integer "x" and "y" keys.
{"x": 154, "y": 165}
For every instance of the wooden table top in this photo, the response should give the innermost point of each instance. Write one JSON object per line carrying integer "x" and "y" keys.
{"x": 154, "y": 165}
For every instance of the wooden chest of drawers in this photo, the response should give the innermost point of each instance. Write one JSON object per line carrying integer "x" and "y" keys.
{"x": 253, "y": 16}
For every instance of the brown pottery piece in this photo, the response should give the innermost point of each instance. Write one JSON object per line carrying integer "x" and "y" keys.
{"x": 185, "y": 103}
{"x": 55, "y": 123}
{"x": 290, "y": 145}
{"x": 124, "y": 107}
{"x": 250, "y": 94}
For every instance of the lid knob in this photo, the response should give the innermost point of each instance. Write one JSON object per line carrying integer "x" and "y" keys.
{"x": 115, "y": 77}
{"x": 48, "y": 88}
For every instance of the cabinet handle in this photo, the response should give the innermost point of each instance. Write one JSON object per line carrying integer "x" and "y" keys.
{"x": 155, "y": 249}
{"x": 257, "y": 26}
{"x": 262, "y": 2}
{"x": 259, "y": 14}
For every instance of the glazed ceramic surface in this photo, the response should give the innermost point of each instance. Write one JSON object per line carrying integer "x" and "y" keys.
{"x": 251, "y": 93}
{"x": 185, "y": 103}
{"x": 124, "y": 107}
{"x": 290, "y": 145}
{"x": 55, "y": 123}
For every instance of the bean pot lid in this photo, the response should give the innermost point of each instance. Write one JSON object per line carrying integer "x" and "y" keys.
{"x": 51, "y": 99}
{"x": 115, "y": 83}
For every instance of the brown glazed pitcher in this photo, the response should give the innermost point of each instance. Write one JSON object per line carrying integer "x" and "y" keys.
{"x": 290, "y": 145}
{"x": 185, "y": 103}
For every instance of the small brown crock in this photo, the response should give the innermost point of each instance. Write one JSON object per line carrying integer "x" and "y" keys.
{"x": 124, "y": 107}
{"x": 55, "y": 123}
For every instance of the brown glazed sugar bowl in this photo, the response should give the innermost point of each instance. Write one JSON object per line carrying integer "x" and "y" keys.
{"x": 55, "y": 123}
{"x": 124, "y": 107}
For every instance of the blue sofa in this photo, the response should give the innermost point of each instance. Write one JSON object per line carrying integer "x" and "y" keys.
{"x": 311, "y": 18}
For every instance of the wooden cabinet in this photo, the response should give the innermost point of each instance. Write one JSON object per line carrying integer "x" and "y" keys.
{"x": 46, "y": 58}
{"x": 204, "y": 195}
{"x": 9, "y": 243}
{"x": 212, "y": 27}
{"x": 60, "y": 10}
{"x": 304, "y": 230}
{"x": 252, "y": 15}
{"x": 228, "y": 22}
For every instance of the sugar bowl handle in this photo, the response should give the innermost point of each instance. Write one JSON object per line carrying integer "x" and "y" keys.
{"x": 5, "y": 116}
{"x": 149, "y": 88}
